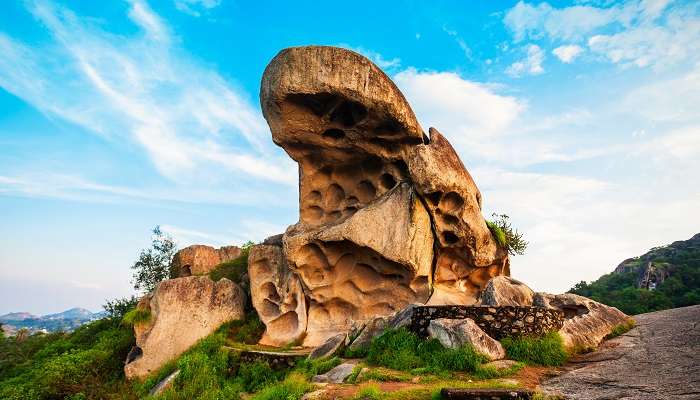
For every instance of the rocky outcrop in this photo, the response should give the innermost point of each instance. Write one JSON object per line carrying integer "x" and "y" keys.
{"x": 200, "y": 259}
{"x": 587, "y": 322}
{"x": 182, "y": 311}
{"x": 277, "y": 296}
{"x": 506, "y": 291}
{"x": 455, "y": 333}
{"x": 387, "y": 215}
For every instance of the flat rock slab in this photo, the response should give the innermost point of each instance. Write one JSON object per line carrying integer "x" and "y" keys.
{"x": 659, "y": 359}
{"x": 336, "y": 375}
{"x": 485, "y": 394}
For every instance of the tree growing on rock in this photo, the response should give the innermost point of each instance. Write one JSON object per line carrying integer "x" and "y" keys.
{"x": 506, "y": 235}
{"x": 153, "y": 264}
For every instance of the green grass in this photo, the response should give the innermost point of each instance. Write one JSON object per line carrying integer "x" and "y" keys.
{"x": 402, "y": 350}
{"x": 621, "y": 329}
{"x": 248, "y": 330}
{"x": 385, "y": 375}
{"x": 137, "y": 316}
{"x": 497, "y": 233}
{"x": 547, "y": 350}
{"x": 369, "y": 391}
{"x": 292, "y": 388}
{"x": 311, "y": 368}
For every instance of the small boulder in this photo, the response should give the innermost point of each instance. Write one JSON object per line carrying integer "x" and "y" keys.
{"x": 454, "y": 333}
{"x": 182, "y": 311}
{"x": 506, "y": 291}
{"x": 373, "y": 328}
{"x": 587, "y": 322}
{"x": 164, "y": 384}
{"x": 330, "y": 347}
{"x": 336, "y": 375}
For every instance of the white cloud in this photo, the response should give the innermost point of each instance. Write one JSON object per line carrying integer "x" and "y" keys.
{"x": 190, "y": 121}
{"x": 530, "y": 65}
{"x": 640, "y": 33}
{"x": 567, "y": 53}
{"x": 196, "y": 7}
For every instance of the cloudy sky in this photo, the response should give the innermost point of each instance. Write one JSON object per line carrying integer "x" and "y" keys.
{"x": 578, "y": 119}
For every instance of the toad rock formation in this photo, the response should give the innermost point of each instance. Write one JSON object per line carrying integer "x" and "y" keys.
{"x": 388, "y": 216}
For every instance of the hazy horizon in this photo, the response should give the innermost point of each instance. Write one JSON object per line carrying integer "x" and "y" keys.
{"x": 578, "y": 119}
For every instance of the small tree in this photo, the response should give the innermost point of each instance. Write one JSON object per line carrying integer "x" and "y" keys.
{"x": 505, "y": 235}
{"x": 153, "y": 264}
{"x": 118, "y": 307}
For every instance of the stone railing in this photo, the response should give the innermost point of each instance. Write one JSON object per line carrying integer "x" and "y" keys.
{"x": 497, "y": 322}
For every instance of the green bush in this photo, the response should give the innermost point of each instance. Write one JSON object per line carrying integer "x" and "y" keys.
{"x": 497, "y": 233}
{"x": 368, "y": 392}
{"x": 621, "y": 329}
{"x": 506, "y": 235}
{"x": 256, "y": 375}
{"x": 248, "y": 330}
{"x": 547, "y": 350}
{"x": 137, "y": 316}
{"x": 317, "y": 367}
{"x": 402, "y": 350}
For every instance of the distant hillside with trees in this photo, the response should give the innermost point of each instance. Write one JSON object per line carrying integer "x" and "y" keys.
{"x": 664, "y": 277}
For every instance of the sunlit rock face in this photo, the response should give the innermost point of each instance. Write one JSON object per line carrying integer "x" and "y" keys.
{"x": 387, "y": 215}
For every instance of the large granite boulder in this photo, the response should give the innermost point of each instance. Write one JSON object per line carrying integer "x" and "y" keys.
{"x": 587, "y": 322}
{"x": 182, "y": 311}
{"x": 200, "y": 259}
{"x": 383, "y": 208}
{"x": 455, "y": 333}
{"x": 506, "y": 291}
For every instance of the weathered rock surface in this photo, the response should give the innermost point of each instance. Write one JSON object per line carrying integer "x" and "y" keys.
{"x": 200, "y": 259}
{"x": 331, "y": 346}
{"x": 587, "y": 322}
{"x": 336, "y": 375}
{"x": 656, "y": 360}
{"x": 277, "y": 296}
{"x": 506, "y": 291}
{"x": 455, "y": 333}
{"x": 382, "y": 208}
{"x": 183, "y": 310}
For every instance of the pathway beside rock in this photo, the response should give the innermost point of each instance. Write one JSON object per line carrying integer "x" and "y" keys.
{"x": 659, "y": 359}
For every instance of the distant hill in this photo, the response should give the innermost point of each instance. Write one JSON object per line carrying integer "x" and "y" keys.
{"x": 664, "y": 277}
{"x": 64, "y": 321}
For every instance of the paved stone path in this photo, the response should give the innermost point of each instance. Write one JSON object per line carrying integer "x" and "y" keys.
{"x": 659, "y": 359}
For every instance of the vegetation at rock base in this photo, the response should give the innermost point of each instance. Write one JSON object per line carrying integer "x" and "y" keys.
{"x": 680, "y": 261}
{"x": 136, "y": 316}
{"x": 506, "y": 235}
{"x": 153, "y": 264}
{"x": 236, "y": 270}
{"x": 547, "y": 350}
{"x": 621, "y": 329}
{"x": 248, "y": 330}
{"x": 117, "y": 308}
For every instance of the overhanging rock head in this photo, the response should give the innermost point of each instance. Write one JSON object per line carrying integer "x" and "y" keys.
{"x": 388, "y": 215}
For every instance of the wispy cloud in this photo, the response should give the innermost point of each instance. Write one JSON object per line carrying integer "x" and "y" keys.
{"x": 638, "y": 33}
{"x": 196, "y": 7}
{"x": 145, "y": 89}
{"x": 531, "y": 64}
{"x": 568, "y": 53}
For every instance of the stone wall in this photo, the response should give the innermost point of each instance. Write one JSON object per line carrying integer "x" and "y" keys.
{"x": 497, "y": 322}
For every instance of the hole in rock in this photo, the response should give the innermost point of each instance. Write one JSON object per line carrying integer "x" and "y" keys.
{"x": 389, "y": 127}
{"x": 312, "y": 214}
{"x": 449, "y": 219}
{"x": 352, "y": 200}
{"x": 334, "y": 134}
{"x": 269, "y": 308}
{"x": 134, "y": 354}
{"x": 186, "y": 271}
{"x": 366, "y": 191}
{"x": 349, "y": 113}
{"x": 434, "y": 197}
{"x": 269, "y": 291}
{"x": 387, "y": 181}
{"x": 350, "y": 210}
{"x": 452, "y": 202}
{"x": 372, "y": 165}
{"x": 449, "y": 237}
{"x": 319, "y": 103}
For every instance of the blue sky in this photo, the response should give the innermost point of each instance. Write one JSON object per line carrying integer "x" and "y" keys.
{"x": 578, "y": 119}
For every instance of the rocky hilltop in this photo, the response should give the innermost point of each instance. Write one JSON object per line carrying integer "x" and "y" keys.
{"x": 390, "y": 234}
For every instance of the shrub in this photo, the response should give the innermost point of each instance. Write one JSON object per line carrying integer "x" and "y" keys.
{"x": 256, "y": 375}
{"x": 154, "y": 263}
{"x": 621, "y": 329}
{"x": 547, "y": 350}
{"x": 317, "y": 367}
{"x": 505, "y": 235}
{"x": 248, "y": 330}
{"x": 292, "y": 388}
{"x": 117, "y": 308}
{"x": 137, "y": 316}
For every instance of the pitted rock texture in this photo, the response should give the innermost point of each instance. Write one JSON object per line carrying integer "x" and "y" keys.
{"x": 183, "y": 311}
{"x": 200, "y": 259}
{"x": 277, "y": 296}
{"x": 387, "y": 215}
{"x": 587, "y": 321}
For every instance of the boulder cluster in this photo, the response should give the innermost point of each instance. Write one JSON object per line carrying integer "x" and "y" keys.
{"x": 389, "y": 220}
